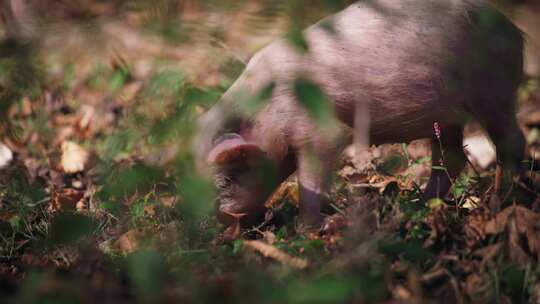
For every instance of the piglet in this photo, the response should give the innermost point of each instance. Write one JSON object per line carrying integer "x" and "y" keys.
{"x": 398, "y": 66}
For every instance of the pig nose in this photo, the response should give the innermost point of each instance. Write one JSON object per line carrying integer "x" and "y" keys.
{"x": 229, "y": 213}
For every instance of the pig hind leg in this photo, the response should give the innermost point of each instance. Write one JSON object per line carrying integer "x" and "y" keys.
{"x": 495, "y": 81}
{"x": 448, "y": 160}
{"x": 502, "y": 127}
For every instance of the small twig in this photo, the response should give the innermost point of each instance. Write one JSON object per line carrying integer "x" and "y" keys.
{"x": 338, "y": 210}
{"x": 192, "y": 251}
{"x": 257, "y": 228}
{"x": 434, "y": 275}
{"x": 370, "y": 186}
{"x": 498, "y": 178}
{"x": 279, "y": 255}
{"x": 531, "y": 169}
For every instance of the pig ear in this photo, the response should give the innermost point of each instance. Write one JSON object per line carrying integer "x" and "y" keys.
{"x": 231, "y": 148}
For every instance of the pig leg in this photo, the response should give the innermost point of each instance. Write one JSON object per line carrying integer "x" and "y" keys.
{"x": 509, "y": 143}
{"x": 314, "y": 180}
{"x": 447, "y": 153}
{"x": 495, "y": 110}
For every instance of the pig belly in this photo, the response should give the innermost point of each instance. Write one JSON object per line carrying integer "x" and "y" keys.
{"x": 402, "y": 119}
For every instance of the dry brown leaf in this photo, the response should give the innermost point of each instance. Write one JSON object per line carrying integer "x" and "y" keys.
{"x": 498, "y": 224}
{"x": 287, "y": 189}
{"x": 270, "y": 251}
{"x": 475, "y": 285}
{"x": 128, "y": 242}
{"x": 81, "y": 205}
{"x": 74, "y": 158}
{"x": 433, "y": 275}
{"x": 526, "y": 219}
{"x": 64, "y": 120}
{"x": 488, "y": 253}
{"x": 269, "y": 237}
{"x": 520, "y": 223}
{"x": 66, "y": 199}
{"x": 533, "y": 239}
{"x": 494, "y": 202}
{"x": 471, "y": 202}
{"x": 86, "y": 115}
{"x": 150, "y": 210}
{"x": 5, "y": 155}
{"x": 401, "y": 293}
{"x": 63, "y": 134}
{"x": 515, "y": 251}
{"x": 168, "y": 201}
{"x": 129, "y": 91}
{"x": 6, "y": 216}
{"x": 26, "y": 107}
{"x": 475, "y": 227}
{"x": 34, "y": 260}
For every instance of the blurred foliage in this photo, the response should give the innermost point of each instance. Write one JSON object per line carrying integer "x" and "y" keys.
{"x": 69, "y": 228}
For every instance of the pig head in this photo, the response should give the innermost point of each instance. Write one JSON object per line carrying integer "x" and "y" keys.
{"x": 245, "y": 176}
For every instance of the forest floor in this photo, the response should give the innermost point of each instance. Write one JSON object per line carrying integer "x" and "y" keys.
{"x": 99, "y": 200}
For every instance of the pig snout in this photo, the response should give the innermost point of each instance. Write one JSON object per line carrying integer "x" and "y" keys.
{"x": 245, "y": 176}
{"x": 410, "y": 64}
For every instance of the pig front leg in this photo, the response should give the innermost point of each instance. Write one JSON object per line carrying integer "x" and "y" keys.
{"x": 446, "y": 152}
{"x": 314, "y": 178}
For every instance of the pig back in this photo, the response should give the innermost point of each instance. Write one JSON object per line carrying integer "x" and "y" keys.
{"x": 410, "y": 63}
